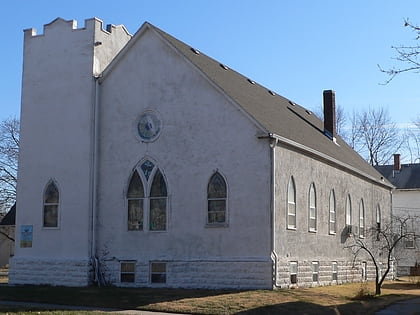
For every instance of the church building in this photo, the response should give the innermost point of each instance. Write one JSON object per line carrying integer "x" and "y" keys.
{"x": 146, "y": 163}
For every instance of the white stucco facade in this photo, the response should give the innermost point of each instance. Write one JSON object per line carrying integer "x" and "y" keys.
{"x": 84, "y": 92}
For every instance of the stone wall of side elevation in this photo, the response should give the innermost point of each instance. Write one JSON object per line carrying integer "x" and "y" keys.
{"x": 197, "y": 274}
{"x": 66, "y": 272}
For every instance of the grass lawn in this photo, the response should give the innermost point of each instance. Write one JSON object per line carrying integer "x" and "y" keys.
{"x": 321, "y": 300}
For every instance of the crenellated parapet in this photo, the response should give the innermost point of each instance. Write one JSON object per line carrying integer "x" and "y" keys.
{"x": 92, "y": 24}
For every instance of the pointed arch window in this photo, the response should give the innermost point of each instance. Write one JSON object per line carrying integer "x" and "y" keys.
{"x": 216, "y": 199}
{"x": 348, "y": 211}
{"x": 332, "y": 220}
{"x": 147, "y": 198}
{"x": 135, "y": 199}
{"x": 291, "y": 205}
{"x": 51, "y": 203}
{"x": 312, "y": 208}
{"x": 361, "y": 219}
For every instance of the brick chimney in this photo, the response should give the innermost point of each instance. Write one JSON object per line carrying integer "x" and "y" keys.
{"x": 397, "y": 162}
{"x": 330, "y": 125}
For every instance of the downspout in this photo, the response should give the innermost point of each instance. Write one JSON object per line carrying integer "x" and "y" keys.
{"x": 94, "y": 179}
{"x": 274, "y": 257}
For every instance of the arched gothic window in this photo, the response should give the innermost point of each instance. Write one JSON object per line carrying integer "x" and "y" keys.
{"x": 312, "y": 208}
{"x": 51, "y": 203}
{"x": 291, "y": 204}
{"x": 361, "y": 219}
{"x": 333, "y": 226}
{"x": 348, "y": 211}
{"x": 135, "y": 200}
{"x": 147, "y": 198}
{"x": 216, "y": 199}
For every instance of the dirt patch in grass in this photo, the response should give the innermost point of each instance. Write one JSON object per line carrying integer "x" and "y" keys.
{"x": 337, "y": 299}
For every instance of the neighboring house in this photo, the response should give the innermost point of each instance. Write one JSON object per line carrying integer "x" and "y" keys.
{"x": 405, "y": 203}
{"x": 145, "y": 162}
{"x": 7, "y": 236}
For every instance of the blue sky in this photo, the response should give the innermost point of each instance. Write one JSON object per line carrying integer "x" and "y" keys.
{"x": 297, "y": 48}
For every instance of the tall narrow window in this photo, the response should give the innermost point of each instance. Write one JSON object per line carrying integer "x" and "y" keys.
{"x": 312, "y": 208}
{"x": 158, "y": 196}
{"x": 291, "y": 205}
{"x": 216, "y": 199}
{"x": 333, "y": 227}
{"x": 361, "y": 219}
{"x": 51, "y": 202}
{"x": 147, "y": 199}
{"x": 348, "y": 211}
{"x": 135, "y": 197}
{"x": 378, "y": 217}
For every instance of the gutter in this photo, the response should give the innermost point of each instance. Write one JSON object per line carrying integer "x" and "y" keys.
{"x": 94, "y": 179}
{"x": 273, "y": 255}
{"x": 325, "y": 157}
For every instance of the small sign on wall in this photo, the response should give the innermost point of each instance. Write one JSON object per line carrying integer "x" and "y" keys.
{"x": 26, "y": 232}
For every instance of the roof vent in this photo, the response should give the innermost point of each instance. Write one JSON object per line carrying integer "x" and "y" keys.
{"x": 271, "y": 92}
{"x": 224, "y": 67}
{"x": 291, "y": 103}
{"x": 308, "y": 112}
{"x": 195, "y": 51}
{"x": 250, "y": 81}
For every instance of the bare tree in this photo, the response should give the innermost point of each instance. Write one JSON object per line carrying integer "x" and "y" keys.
{"x": 374, "y": 135}
{"x": 408, "y": 55}
{"x": 9, "y": 151}
{"x": 380, "y": 244}
{"x": 340, "y": 118}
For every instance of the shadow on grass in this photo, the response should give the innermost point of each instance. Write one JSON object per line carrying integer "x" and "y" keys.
{"x": 401, "y": 285}
{"x": 105, "y": 297}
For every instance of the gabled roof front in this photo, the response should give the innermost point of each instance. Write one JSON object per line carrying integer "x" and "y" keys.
{"x": 280, "y": 117}
{"x": 407, "y": 177}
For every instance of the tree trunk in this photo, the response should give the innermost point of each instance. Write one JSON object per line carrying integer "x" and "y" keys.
{"x": 377, "y": 288}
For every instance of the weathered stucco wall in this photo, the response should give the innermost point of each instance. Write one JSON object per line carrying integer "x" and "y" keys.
{"x": 56, "y": 141}
{"x": 305, "y": 247}
{"x": 201, "y": 132}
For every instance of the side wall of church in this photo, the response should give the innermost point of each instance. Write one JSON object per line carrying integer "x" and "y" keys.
{"x": 323, "y": 246}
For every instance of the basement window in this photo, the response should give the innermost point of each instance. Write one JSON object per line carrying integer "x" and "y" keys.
{"x": 315, "y": 271}
{"x": 334, "y": 271}
{"x": 128, "y": 271}
{"x": 293, "y": 272}
{"x": 158, "y": 272}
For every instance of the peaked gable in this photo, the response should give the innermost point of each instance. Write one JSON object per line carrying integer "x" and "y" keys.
{"x": 278, "y": 116}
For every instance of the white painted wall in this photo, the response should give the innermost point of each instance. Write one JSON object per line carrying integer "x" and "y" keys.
{"x": 56, "y": 138}
{"x": 202, "y": 132}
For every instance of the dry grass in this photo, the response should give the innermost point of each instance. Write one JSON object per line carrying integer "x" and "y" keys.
{"x": 320, "y": 300}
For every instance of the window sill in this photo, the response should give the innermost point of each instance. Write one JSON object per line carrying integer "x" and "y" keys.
{"x": 217, "y": 225}
{"x": 333, "y": 233}
{"x": 313, "y": 231}
{"x": 291, "y": 228}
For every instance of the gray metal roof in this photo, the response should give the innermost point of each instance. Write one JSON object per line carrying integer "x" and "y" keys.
{"x": 408, "y": 177}
{"x": 276, "y": 114}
